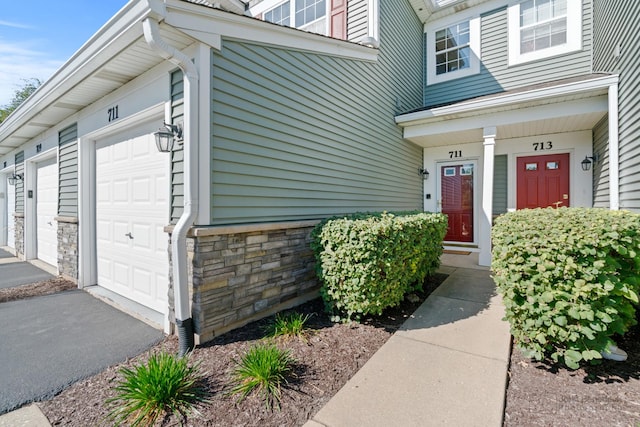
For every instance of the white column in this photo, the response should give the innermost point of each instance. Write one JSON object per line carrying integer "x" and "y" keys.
{"x": 614, "y": 161}
{"x": 489, "y": 134}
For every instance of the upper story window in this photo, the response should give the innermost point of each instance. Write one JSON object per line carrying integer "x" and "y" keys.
{"x": 279, "y": 14}
{"x": 453, "y": 49}
{"x": 542, "y": 28}
{"x": 308, "y": 15}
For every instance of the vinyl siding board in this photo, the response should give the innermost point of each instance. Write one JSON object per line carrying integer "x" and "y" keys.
{"x": 19, "y": 170}
{"x": 177, "y": 155}
{"x": 500, "y": 187}
{"x": 357, "y": 19}
{"x": 617, "y": 23}
{"x": 495, "y": 73}
{"x": 68, "y": 171}
{"x": 298, "y": 135}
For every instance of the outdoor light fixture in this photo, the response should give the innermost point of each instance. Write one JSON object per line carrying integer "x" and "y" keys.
{"x": 424, "y": 173}
{"x": 165, "y": 137}
{"x": 14, "y": 178}
{"x": 586, "y": 163}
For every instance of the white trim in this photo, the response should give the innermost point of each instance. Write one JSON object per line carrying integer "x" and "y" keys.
{"x": 203, "y": 61}
{"x": 574, "y": 35}
{"x": 614, "y": 160}
{"x": 474, "y": 44}
{"x": 507, "y": 99}
{"x": 489, "y": 134}
{"x": 373, "y": 17}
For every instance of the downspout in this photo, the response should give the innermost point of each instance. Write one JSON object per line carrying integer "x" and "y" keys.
{"x": 184, "y": 322}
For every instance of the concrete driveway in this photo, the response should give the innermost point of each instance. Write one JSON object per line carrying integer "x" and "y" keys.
{"x": 52, "y": 341}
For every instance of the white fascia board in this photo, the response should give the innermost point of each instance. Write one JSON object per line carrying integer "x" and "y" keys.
{"x": 441, "y": 113}
{"x": 198, "y": 21}
{"x": 508, "y": 117}
{"x": 119, "y": 32}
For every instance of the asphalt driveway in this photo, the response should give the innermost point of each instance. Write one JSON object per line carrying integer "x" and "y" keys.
{"x": 52, "y": 341}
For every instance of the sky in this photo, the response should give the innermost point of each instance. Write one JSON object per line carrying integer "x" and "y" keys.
{"x": 38, "y": 36}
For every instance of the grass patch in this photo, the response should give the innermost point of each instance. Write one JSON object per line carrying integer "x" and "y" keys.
{"x": 292, "y": 324}
{"x": 166, "y": 384}
{"x": 264, "y": 368}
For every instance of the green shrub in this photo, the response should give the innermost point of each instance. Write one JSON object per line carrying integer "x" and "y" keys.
{"x": 165, "y": 384}
{"x": 290, "y": 325}
{"x": 569, "y": 279}
{"x": 263, "y": 368}
{"x": 368, "y": 262}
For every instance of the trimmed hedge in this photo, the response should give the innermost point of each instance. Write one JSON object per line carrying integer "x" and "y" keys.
{"x": 569, "y": 278}
{"x": 368, "y": 262}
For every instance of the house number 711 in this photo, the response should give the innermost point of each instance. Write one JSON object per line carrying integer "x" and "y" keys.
{"x": 112, "y": 113}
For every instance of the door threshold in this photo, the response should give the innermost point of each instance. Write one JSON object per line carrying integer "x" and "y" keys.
{"x": 145, "y": 314}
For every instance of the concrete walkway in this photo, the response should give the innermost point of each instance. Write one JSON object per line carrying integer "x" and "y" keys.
{"x": 447, "y": 365}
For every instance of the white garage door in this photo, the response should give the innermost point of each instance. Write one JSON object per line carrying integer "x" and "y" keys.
{"x": 132, "y": 208}
{"x": 11, "y": 221}
{"x": 46, "y": 211}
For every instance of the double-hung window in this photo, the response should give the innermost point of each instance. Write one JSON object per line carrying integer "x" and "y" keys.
{"x": 543, "y": 28}
{"x": 453, "y": 50}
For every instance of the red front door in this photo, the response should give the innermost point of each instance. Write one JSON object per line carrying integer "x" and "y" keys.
{"x": 456, "y": 193}
{"x": 543, "y": 181}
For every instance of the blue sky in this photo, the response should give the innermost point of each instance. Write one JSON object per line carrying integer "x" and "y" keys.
{"x": 38, "y": 36}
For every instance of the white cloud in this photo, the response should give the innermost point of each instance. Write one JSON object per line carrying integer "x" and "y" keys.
{"x": 15, "y": 25}
{"x": 23, "y": 60}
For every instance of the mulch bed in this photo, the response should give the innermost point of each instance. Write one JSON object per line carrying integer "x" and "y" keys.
{"x": 327, "y": 358}
{"x": 546, "y": 394}
{"x": 45, "y": 287}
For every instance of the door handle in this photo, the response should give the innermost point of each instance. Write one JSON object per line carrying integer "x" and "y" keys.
{"x": 129, "y": 235}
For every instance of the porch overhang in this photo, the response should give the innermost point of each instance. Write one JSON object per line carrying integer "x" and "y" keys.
{"x": 562, "y": 106}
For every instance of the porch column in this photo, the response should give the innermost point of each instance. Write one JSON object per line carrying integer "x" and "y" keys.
{"x": 489, "y": 135}
{"x": 614, "y": 160}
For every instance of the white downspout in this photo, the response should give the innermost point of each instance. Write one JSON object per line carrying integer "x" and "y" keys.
{"x": 184, "y": 322}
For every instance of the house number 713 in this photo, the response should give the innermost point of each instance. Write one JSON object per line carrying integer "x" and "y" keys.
{"x": 112, "y": 113}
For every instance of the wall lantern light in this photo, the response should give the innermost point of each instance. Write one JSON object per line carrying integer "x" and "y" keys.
{"x": 16, "y": 177}
{"x": 165, "y": 137}
{"x": 424, "y": 173}
{"x": 586, "y": 163}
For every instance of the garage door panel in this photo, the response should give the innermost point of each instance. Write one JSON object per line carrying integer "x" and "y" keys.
{"x": 135, "y": 175}
{"x": 46, "y": 211}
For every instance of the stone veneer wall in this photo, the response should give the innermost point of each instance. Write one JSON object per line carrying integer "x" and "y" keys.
{"x": 68, "y": 247}
{"x": 19, "y": 237}
{"x": 244, "y": 273}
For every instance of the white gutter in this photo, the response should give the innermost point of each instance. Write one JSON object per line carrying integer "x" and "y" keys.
{"x": 190, "y": 134}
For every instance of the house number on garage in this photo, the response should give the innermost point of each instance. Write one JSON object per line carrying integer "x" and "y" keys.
{"x": 112, "y": 113}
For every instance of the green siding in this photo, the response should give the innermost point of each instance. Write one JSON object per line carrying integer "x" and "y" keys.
{"x": 298, "y": 135}
{"x": 19, "y": 165}
{"x": 495, "y": 73}
{"x": 177, "y": 155}
{"x": 500, "y": 185}
{"x": 601, "y": 168}
{"x": 68, "y": 171}
{"x": 617, "y": 22}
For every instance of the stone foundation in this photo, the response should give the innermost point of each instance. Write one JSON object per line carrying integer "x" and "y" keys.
{"x": 244, "y": 273}
{"x": 19, "y": 236}
{"x": 68, "y": 247}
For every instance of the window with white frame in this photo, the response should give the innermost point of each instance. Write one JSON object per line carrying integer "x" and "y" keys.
{"x": 542, "y": 28}
{"x": 309, "y": 15}
{"x": 453, "y": 50}
{"x": 279, "y": 14}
